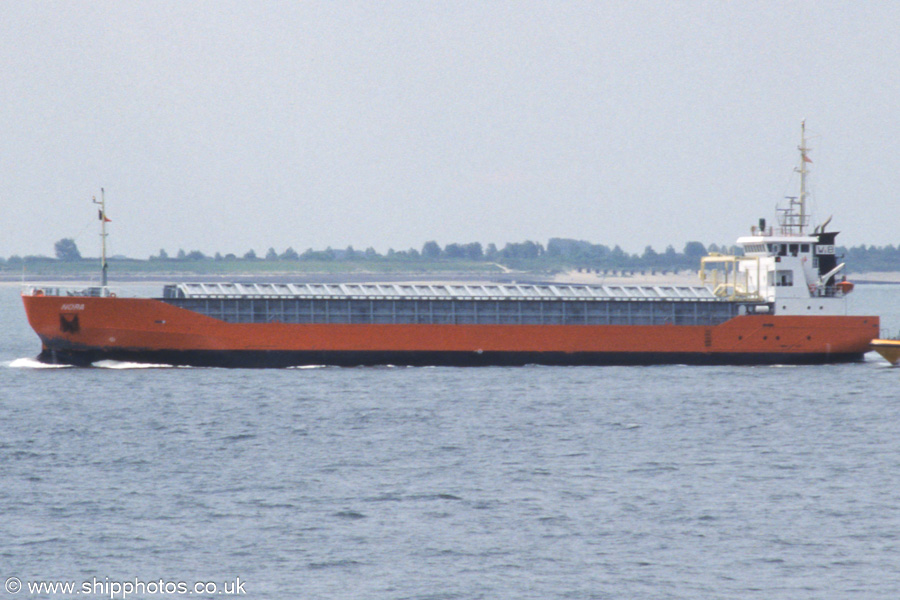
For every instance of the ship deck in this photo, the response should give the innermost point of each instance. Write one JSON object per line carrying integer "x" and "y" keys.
{"x": 450, "y": 291}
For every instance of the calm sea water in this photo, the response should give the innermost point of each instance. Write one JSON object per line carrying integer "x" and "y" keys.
{"x": 441, "y": 483}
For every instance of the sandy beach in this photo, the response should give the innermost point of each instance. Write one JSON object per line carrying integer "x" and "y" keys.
{"x": 682, "y": 278}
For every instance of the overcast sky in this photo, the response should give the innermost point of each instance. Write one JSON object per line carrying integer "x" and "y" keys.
{"x": 225, "y": 126}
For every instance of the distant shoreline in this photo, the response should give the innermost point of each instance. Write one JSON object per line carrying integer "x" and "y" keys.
{"x": 572, "y": 277}
{"x": 876, "y": 277}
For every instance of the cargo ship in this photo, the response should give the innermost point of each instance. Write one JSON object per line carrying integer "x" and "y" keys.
{"x": 778, "y": 302}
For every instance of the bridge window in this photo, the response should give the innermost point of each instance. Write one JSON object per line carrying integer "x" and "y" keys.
{"x": 778, "y": 249}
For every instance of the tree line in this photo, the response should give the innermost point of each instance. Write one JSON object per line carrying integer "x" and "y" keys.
{"x": 527, "y": 254}
{"x": 558, "y": 253}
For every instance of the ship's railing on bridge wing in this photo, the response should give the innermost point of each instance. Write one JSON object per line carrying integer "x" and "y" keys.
{"x": 730, "y": 281}
{"x": 82, "y": 292}
{"x": 828, "y": 291}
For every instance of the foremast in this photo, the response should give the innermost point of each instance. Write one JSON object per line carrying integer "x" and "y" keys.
{"x": 104, "y": 266}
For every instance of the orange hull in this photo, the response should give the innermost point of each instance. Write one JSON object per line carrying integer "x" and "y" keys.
{"x": 85, "y": 329}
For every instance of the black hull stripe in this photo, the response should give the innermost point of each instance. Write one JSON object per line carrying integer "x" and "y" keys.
{"x": 282, "y": 359}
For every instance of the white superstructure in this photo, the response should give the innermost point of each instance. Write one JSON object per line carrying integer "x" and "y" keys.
{"x": 792, "y": 271}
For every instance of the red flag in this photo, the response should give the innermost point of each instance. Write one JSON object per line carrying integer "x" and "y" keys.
{"x": 103, "y": 217}
{"x": 807, "y": 159}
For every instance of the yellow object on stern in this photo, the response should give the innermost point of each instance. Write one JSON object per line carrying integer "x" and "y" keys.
{"x": 889, "y": 349}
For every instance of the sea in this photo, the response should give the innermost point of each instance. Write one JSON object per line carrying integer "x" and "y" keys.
{"x": 546, "y": 483}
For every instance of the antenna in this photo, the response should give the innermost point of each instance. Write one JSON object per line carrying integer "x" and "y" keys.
{"x": 803, "y": 171}
{"x": 794, "y": 218}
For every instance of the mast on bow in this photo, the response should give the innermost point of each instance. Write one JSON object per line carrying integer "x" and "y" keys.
{"x": 103, "y": 221}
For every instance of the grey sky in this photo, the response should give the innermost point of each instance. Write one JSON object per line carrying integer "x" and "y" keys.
{"x": 225, "y": 126}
